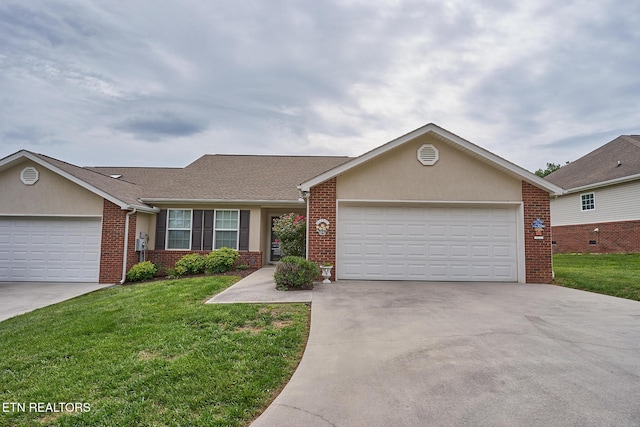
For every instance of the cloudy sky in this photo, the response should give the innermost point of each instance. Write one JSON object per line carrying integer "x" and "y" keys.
{"x": 159, "y": 83}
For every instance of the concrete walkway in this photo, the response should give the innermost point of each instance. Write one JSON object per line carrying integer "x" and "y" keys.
{"x": 259, "y": 287}
{"x": 21, "y": 297}
{"x": 464, "y": 354}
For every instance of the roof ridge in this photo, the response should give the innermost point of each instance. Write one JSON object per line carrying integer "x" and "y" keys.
{"x": 273, "y": 155}
{"x": 634, "y": 139}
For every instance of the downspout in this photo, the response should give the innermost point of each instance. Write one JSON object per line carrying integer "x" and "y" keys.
{"x": 126, "y": 245}
{"x": 306, "y": 251}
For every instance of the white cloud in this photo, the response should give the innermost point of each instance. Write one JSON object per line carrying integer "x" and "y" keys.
{"x": 95, "y": 83}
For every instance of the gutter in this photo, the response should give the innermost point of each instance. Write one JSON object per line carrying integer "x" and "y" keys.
{"x": 236, "y": 202}
{"x": 601, "y": 184}
{"x": 126, "y": 246}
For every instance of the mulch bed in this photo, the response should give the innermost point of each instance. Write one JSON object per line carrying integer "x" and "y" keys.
{"x": 241, "y": 273}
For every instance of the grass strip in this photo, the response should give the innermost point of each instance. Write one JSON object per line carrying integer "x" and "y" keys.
{"x": 611, "y": 274}
{"x": 150, "y": 354}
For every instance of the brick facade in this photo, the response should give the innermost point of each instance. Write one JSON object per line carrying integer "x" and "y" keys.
{"x": 322, "y": 205}
{"x": 168, "y": 259}
{"x": 111, "y": 247}
{"x": 611, "y": 237}
{"x": 539, "y": 263}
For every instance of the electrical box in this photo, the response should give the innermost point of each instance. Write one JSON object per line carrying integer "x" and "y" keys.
{"x": 141, "y": 245}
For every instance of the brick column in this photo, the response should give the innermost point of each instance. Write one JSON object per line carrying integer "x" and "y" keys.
{"x": 322, "y": 204}
{"x": 538, "y": 258}
{"x": 112, "y": 245}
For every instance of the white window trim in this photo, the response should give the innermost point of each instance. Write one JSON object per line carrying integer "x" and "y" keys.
{"x": 593, "y": 195}
{"x": 166, "y": 243}
{"x": 215, "y": 230}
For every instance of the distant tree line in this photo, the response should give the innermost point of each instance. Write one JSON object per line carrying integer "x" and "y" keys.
{"x": 551, "y": 167}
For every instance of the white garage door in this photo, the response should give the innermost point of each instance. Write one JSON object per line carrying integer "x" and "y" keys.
{"x": 427, "y": 243}
{"x": 50, "y": 249}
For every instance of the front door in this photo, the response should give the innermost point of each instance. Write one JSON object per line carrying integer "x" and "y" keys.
{"x": 275, "y": 244}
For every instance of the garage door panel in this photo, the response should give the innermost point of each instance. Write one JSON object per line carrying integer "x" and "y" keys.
{"x": 417, "y": 250}
{"x": 373, "y": 230}
{"x": 480, "y": 251}
{"x": 416, "y": 231}
{"x": 395, "y": 250}
{"x": 434, "y": 242}
{"x": 50, "y": 249}
{"x": 395, "y": 230}
{"x": 438, "y": 250}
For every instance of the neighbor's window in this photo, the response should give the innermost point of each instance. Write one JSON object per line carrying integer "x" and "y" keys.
{"x": 179, "y": 229}
{"x": 588, "y": 201}
{"x": 226, "y": 227}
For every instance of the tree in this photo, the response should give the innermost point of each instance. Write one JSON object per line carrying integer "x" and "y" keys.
{"x": 551, "y": 167}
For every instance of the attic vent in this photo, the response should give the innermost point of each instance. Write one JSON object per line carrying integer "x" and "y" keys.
{"x": 428, "y": 155}
{"x": 29, "y": 175}
{"x": 116, "y": 176}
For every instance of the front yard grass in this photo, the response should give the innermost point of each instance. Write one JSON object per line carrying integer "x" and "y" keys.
{"x": 611, "y": 274}
{"x": 148, "y": 354}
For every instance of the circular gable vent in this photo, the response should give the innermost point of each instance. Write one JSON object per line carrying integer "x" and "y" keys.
{"x": 428, "y": 155}
{"x": 29, "y": 175}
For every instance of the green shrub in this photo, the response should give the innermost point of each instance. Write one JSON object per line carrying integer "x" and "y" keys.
{"x": 291, "y": 230}
{"x": 221, "y": 260}
{"x": 192, "y": 264}
{"x": 142, "y": 271}
{"x": 295, "y": 273}
{"x": 176, "y": 272}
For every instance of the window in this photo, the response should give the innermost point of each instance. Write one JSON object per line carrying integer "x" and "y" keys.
{"x": 588, "y": 201}
{"x": 225, "y": 233}
{"x": 179, "y": 229}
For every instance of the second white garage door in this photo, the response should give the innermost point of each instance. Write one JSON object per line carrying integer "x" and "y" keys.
{"x": 50, "y": 249}
{"x": 433, "y": 243}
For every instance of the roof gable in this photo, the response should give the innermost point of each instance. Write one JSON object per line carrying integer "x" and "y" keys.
{"x": 616, "y": 161}
{"x": 120, "y": 193}
{"x": 451, "y": 139}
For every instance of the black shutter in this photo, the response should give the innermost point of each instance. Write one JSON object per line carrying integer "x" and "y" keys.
{"x": 208, "y": 231}
{"x": 161, "y": 229}
{"x": 244, "y": 231}
{"x": 196, "y": 230}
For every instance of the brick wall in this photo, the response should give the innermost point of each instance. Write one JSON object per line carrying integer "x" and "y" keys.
{"x": 539, "y": 263}
{"x": 168, "y": 258}
{"x": 112, "y": 245}
{"x": 611, "y": 237}
{"x": 322, "y": 204}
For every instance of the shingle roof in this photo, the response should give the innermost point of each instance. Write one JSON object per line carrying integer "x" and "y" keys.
{"x": 226, "y": 177}
{"x": 124, "y": 191}
{"x": 601, "y": 164}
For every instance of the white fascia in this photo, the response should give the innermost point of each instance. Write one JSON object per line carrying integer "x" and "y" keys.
{"x": 220, "y": 201}
{"x": 601, "y": 184}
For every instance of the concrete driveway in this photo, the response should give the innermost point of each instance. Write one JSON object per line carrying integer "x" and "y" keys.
{"x": 21, "y": 297}
{"x": 474, "y": 354}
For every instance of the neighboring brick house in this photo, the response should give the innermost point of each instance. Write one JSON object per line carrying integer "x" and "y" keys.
{"x": 426, "y": 206}
{"x": 600, "y": 211}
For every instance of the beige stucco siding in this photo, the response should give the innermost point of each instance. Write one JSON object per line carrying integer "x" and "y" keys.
{"x": 614, "y": 203}
{"x": 143, "y": 225}
{"x": 51, "y": 195}
{"x": 398, "y": 175}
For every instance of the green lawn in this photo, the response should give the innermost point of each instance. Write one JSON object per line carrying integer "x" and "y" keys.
{"x": 610, "y": 274}
{"x": 150, "y": 354}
